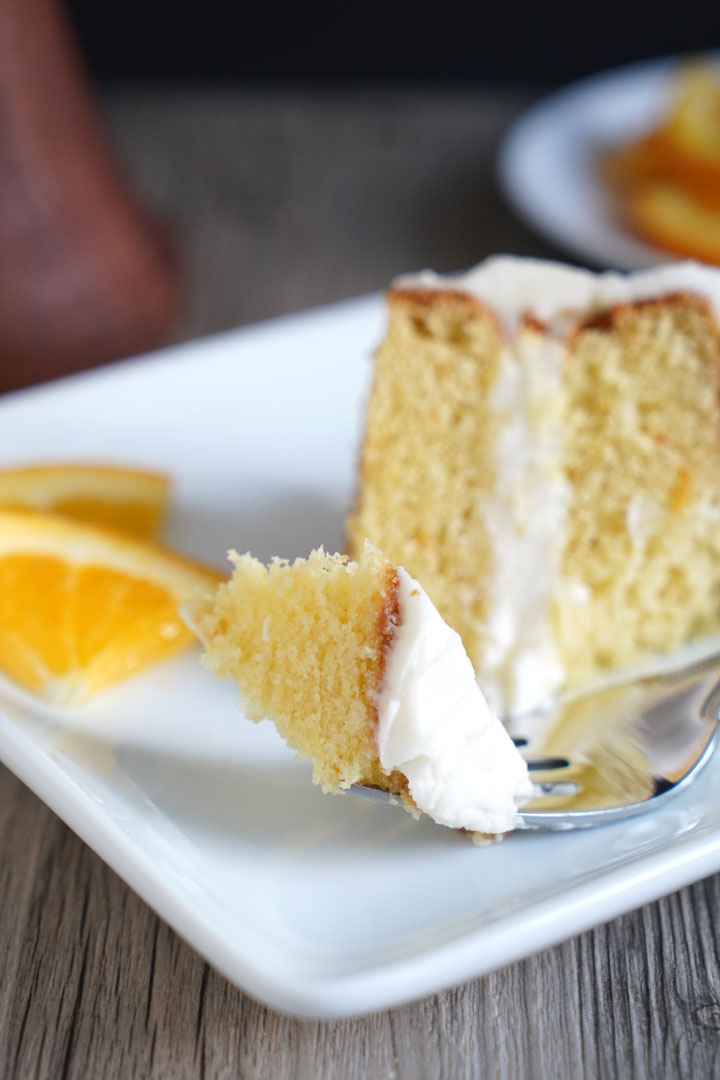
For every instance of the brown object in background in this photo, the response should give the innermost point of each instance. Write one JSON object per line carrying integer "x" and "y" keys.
{"x": 85, "y": 277}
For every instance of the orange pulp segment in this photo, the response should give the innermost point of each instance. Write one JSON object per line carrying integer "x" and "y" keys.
{"x": 670, "y": 218}
{"x": 83, "y": 606}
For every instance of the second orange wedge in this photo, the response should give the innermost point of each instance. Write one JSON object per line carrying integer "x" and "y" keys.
{"x": 128, "y": 499}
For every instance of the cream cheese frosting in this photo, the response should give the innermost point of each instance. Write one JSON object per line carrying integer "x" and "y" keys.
{"x": 513, "y": 286}
{"x": 525, "y": 518}
{"x": 435, "y": 726}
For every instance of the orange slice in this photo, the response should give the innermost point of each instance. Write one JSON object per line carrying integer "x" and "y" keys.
{"x": 668, "y": 182}
{"x": 693, "y": 125}
{"x": 83, "y": 606}
{"x": 670, "y": 218}
{"x": 122, "y": 498}
{"x": 626, "y": 167}
{"x": 689, "y": 141}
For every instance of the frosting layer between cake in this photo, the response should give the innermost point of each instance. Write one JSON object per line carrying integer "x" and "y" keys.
{"x": 435, "y": 726}
{"x": 524, "y": 519}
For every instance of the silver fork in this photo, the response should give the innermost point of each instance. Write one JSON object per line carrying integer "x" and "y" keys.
{"x": 618, "y": 751}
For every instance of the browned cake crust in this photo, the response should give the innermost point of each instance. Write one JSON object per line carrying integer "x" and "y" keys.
{"x": 429, "y": 299}
{"x": 388, "y": 622}
{"x": 606, "y": 318}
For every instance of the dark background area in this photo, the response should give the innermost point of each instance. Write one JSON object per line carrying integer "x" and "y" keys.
{"x": 149, "y": 41}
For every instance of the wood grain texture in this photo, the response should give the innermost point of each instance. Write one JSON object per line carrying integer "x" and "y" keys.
{"x": 282, "y": 201}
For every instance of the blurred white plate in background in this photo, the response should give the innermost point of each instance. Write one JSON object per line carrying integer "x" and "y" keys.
{"x": 548, "y": 162}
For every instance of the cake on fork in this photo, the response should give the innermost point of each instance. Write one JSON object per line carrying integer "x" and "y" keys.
{"x": 361, "y": 675}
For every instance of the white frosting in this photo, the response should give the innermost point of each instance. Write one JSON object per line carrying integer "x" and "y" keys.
{"x": 435, "y": 727}
{"x": 525, "y": 517}
{"x": 512, "y": 286}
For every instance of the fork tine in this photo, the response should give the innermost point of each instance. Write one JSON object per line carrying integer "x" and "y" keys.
{"x": 547, "y": 764}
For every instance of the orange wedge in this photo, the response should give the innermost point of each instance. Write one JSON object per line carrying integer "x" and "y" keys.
{"x": 82, "y": 606}
{"x": 670, "y": 218}
{"x": 689, "y": 141}
{"x": 668, "y": 182}
{"x": 693, "y": 125}
{"x": 122, "y": 498}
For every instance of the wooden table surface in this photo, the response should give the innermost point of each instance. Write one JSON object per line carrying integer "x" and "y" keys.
{"x": 280, "y": 201}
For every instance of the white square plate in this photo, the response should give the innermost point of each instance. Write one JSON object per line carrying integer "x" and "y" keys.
{"x": 317, "y": 905}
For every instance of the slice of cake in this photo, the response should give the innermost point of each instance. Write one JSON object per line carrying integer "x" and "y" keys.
{"x": 361, "y": 675}
{"x": 542, "y": 453}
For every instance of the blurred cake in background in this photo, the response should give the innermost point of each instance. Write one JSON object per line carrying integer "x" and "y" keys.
{"x": 667, "y": 183}
{"x": 542, "y": 453}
